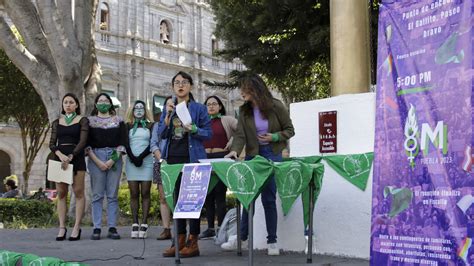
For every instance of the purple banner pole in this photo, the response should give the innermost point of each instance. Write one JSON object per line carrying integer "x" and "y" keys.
{"x": 423, "y": 182}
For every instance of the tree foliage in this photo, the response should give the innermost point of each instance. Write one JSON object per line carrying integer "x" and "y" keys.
{"x": 285, "y": 40}
{"x": 22, "y": 103}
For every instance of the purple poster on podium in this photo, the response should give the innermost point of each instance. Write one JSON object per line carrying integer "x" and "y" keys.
{"x": 193, "y": 191}
{"x": 423, "y": 182}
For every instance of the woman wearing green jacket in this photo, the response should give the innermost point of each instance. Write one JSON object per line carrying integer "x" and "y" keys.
{"x": 264, "y": 127}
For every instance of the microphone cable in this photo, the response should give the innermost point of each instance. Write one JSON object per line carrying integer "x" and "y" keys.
{"x": 117, "y": 258}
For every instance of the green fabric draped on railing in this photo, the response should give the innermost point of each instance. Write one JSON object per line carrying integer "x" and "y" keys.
{"x": 246, "y": 178}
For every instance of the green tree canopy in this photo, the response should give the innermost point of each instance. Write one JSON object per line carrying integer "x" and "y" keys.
{"x": 285, "y": 40}
{"x": 271, "y": 36}
{"x": 22, "y": 103}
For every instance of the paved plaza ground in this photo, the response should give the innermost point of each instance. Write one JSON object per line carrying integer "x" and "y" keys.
{"x": 42, "y": 242}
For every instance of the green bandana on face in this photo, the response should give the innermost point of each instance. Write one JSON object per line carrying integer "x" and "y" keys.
{"x": 69, "y": 117}
{"x": 103, "y": 107}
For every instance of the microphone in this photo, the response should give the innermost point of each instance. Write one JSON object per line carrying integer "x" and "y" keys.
{"x": 173, "y": 100}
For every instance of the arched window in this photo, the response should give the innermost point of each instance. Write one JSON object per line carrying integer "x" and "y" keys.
{"x": 104, "y": 16}
{"x": 214, "y": 45}
{"x": 5, "y": 162}
{"x": 165, "y": 31}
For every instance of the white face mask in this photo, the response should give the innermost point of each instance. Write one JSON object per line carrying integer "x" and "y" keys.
{"x": 139, "y": 111}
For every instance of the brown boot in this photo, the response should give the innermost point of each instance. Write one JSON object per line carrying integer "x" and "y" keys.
{"x": 169, "y": 252}
{"x": 166, "y": 234}
{"x": 191, "y": 249}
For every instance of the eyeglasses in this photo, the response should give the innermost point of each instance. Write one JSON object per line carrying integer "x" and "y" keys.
{"x": 183, "y": 82}
{"x": 212, "y": 104}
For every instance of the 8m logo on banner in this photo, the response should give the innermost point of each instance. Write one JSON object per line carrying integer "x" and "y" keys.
{"x": 413, "y": 142}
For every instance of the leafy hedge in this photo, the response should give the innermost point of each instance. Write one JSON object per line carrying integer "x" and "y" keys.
{"x": 124, "y": 202}
{"x": 19, "y": 213}
{"x": 154, "y": 214}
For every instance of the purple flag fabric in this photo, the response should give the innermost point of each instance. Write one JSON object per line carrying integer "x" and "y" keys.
{"x": 423, "y": 182}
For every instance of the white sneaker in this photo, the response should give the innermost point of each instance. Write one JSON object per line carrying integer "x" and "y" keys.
{"x": 231, "y": 244}
{"x": 135, "y": 228}
{"x": 273, "y": 249}
{"x": 306, "y": 244}
{"x": 143, "y": 230}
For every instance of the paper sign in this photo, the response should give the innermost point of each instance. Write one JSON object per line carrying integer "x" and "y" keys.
{"x": 183, "y": 113}
{"x": 57, "y": 174}
{"x": 328, "y": 132}
{"x": 193, "y": 191}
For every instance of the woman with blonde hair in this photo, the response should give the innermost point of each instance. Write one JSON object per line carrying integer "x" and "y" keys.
{"x": 139, "y": 165}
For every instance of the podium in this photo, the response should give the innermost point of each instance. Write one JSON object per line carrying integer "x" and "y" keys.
{"x": 245, "y": 179}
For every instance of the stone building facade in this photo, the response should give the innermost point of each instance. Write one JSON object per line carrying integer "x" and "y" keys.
{"x": 141, "y": 45}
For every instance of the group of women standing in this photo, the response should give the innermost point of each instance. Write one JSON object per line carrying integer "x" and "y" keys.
{"x": 263, "y": 128}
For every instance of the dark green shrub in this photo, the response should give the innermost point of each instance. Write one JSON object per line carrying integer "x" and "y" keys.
{"x": 19, "y": 213}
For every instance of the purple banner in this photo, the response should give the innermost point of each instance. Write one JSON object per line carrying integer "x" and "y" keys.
{"x": 192, "y": 191}
{"x": 422, "y": 212}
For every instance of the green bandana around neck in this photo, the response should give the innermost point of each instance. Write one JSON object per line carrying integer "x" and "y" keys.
{"x": 218, "y": 115}
{"x": 135, "y": 125}
{"x": 69, "y": 117}
{"x": 103, "y": 107}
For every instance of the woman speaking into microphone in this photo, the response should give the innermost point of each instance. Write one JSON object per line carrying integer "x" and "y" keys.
{"x": 184, "y": 144}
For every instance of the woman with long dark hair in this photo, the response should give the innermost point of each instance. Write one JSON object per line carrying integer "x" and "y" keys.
{"x": 223, "y": 128}
{"x": 68, "y": 138}
{"x": 107, "y": 135}
{"x": 264, "y": 127}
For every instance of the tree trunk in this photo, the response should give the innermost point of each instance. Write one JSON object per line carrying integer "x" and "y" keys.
{"x": 55, "y": 49}
{"x": 24, "y": 184}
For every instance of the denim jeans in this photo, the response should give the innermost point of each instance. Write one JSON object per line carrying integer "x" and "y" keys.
{"x": 104, "y": 183}
{"x": 268, "y": 196}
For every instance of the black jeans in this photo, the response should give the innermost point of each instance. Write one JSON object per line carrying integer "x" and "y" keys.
{"x": 194, "y": 224}
{"x": 215, "y": 200}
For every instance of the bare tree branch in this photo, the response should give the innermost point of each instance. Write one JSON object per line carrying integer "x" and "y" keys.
{"x": 21, "y": 57}
{"x": 67, "y": 60}
{"x": 65, "y": 15}
{"x": 28, "y": 24}
{"x": 85, "y": 33}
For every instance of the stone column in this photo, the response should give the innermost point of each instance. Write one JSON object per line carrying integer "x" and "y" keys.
{"x": 350, "y": 53}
